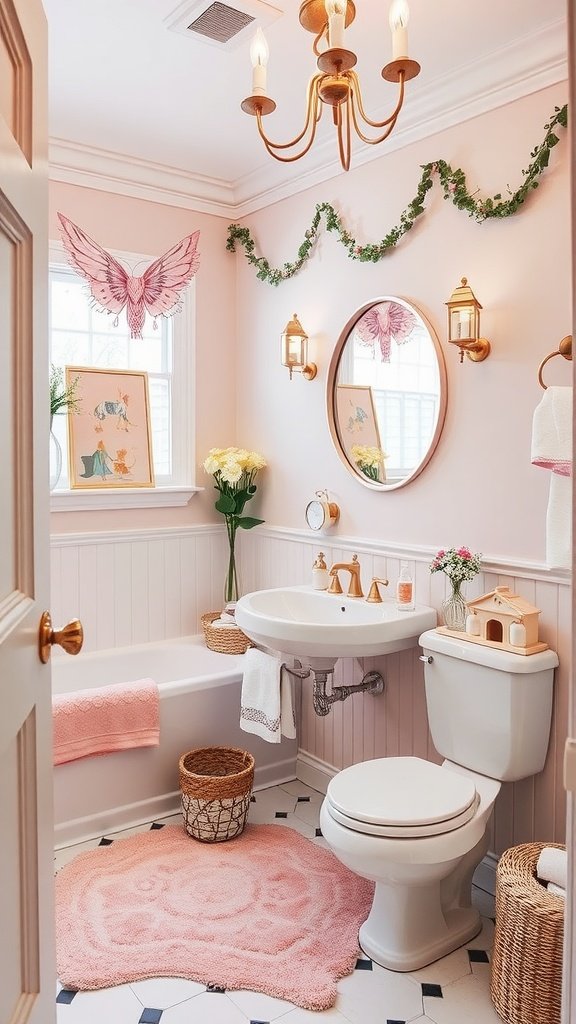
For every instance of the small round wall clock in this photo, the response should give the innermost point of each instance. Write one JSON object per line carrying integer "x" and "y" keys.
{"x": 321, "y": 513}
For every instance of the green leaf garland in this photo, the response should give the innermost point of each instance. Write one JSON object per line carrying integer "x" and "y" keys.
{"x": 454, "y": 186}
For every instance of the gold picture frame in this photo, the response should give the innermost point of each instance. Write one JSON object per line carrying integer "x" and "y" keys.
{"x": 109, "y": 440}
{"x": 358, "y": 425}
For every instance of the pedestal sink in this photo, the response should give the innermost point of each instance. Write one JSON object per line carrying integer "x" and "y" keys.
{"x": 318, "y": 628}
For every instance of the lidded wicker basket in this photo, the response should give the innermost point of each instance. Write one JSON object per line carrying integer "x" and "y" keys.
{"x": 224, "y": 639}
{"x": 526, "y": 979}
{"x": 216, "y": 785}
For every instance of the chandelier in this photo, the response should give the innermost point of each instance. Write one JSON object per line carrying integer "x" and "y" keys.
{"x": 336, "y": 84}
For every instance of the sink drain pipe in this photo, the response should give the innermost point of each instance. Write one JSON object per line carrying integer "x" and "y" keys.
{"x": 323, "y": 700}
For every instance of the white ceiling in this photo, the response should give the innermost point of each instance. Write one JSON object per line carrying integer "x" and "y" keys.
{"x": 126, "y": 91}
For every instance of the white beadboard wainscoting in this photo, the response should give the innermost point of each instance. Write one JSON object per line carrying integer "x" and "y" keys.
{"x": 130, "y": 588}
{"x": 395, "y": 723}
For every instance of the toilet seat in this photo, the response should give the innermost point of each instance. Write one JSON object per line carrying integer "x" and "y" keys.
{"x": 401, "y": 797}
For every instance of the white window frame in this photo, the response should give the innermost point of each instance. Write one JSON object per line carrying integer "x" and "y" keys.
{"x": 182, "y": 415}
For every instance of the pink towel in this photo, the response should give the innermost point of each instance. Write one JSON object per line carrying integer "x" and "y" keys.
{"x": 104, "y": 719}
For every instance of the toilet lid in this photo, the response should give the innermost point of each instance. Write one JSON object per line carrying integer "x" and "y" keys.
{"x": 401, "y": 796}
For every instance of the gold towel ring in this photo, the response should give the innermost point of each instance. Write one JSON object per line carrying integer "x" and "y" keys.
{"x": 564, "y": 349}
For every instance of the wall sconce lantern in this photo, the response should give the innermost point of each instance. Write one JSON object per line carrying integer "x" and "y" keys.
{"x": 464, "y": 323}
{"x": 295, "y": 350}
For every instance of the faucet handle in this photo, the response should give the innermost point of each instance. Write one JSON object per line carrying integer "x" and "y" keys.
{"x": 374, "y": 595}
{"x": 335, "y": 585}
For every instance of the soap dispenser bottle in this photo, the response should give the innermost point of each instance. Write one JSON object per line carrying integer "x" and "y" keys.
{"x": 320, "y": 577}
{"x": 405, "y": 590}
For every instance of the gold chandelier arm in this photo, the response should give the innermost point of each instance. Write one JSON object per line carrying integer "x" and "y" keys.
{"x": 312, "y": 115}
{"x": 355, "y": 83}
{"x": 358, "y": 129}
{"x": 312, "y": 118}
{"x": 344, "y": 150}
{"x": 323, "y": 32}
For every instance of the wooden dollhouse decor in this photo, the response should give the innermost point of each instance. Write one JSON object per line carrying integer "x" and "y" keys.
{"x": 501, "y": 619}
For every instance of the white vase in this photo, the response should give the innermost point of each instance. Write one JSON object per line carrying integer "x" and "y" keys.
{"x": 55, "y": 459}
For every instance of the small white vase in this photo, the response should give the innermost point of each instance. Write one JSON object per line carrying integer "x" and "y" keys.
{"x": 55, "y": 459}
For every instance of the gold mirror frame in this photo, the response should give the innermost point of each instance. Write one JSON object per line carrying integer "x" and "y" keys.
{"x": 331, "y": 394}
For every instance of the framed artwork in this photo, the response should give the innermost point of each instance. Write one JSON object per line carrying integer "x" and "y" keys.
{"x": 109, "y": 441}
{"x": 358, "y": 428}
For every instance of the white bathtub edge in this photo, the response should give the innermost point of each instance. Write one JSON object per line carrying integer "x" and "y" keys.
{"x": 81, "y": 830}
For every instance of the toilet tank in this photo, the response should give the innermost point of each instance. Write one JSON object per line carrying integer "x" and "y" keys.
{"x": 488, "y": 709}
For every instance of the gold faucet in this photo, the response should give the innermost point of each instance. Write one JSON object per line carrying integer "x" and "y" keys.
{"x": 374, "y": 595}
{"x": 353, "y": 567}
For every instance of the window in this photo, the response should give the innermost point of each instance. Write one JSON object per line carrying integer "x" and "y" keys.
{"x": 405, "y": 391}
{"x": 82, "y": 335}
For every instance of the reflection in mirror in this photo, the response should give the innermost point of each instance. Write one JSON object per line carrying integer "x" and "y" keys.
{"x": 387, "y": 393}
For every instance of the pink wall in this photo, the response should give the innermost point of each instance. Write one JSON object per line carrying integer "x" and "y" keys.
{"x": 135, "y": 225}
{"x": 480, "y": 487}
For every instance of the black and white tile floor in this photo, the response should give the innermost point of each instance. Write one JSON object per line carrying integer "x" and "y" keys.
{"x": 454, "y": 990}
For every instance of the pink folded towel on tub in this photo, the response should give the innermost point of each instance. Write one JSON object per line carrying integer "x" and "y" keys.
{"x": 104, "y": 719}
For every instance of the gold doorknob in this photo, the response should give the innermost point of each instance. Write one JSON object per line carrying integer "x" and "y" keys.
{"x": 70, "y": 637}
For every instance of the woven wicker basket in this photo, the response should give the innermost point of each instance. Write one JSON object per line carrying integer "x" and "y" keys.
{"x": 224, "y": 639}
{"x": 216, "y": 785}
{"x": 526, "y": 981}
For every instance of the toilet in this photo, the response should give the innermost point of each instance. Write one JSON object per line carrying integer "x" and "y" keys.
{"x": 418, "y": 829}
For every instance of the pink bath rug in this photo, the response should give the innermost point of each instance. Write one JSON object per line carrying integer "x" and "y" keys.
{"x": 268, "y": 911}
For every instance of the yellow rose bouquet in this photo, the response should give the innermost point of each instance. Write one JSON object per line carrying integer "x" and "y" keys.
{"x": 234, "y": 471}
{"x": 369, "y": 460}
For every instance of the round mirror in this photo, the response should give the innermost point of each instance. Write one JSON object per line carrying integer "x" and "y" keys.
{"x": 386, "y": 393}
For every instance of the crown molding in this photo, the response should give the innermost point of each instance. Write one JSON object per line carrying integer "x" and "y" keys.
{"x": 528, "y": 65}
{"x": 89, "y": 167}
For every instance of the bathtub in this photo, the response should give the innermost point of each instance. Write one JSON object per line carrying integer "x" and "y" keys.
{"x": 199, "y": 706}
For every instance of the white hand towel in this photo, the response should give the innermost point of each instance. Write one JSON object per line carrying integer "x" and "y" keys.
{"x": 559, "y": 523}
{"x": 556, "y": 890}
{"x": 552, "y": 866}
{"x": 552, "y": 449}
{"x": 266, "y": 703}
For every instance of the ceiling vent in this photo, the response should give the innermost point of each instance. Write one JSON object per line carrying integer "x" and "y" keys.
{"x": 220, "y": 24}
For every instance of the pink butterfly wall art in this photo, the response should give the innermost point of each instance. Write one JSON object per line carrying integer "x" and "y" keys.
{"x": 156, "y": 291}
{"x": 383, "y": 322}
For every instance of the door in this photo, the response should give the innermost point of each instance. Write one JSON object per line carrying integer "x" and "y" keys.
{"x": 27, "y": 972}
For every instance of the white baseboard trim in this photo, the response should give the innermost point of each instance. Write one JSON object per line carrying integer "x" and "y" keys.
{"x": 81, "y": 830}
{"x": 314, "y": 772}
{"x": 317, "y": 774}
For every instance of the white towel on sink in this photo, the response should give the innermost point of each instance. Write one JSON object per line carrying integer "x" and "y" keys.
{"x": 267, "y": 707}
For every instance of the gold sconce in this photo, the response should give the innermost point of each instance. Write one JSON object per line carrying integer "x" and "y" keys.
{"x": 464, "y": 323}
{"x": 295, "y": 350}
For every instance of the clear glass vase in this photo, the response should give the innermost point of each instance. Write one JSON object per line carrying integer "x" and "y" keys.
{"x": 454, "y": 608}
{"x": 231, "y": 580}
{"x": 55, "y": 458}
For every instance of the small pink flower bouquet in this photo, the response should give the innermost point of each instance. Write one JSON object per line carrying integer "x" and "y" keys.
{"x": 458, "y": 564}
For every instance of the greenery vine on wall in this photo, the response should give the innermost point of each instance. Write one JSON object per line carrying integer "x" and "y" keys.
{"x": 453, "y": 183}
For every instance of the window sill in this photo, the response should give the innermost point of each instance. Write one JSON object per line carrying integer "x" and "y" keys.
{"x": 121, "y": 497}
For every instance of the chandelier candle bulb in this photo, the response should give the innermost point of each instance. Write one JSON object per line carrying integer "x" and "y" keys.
{"x": 336, "y": 11}
{"x": 398, "y": 20}
{"x": 259, "y": 53}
